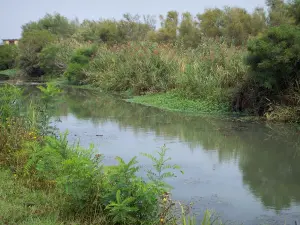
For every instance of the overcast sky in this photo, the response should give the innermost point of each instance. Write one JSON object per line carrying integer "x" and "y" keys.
{"x": 15, "y": 13}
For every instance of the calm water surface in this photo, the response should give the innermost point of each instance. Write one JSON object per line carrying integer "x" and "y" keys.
{"x": 249, "y": 173}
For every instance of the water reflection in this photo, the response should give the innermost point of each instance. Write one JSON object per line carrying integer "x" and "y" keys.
{"x": 267, "y": 155}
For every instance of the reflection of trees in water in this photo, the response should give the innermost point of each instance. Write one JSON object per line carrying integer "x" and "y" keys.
{"x": 271, "y": 168}
{"x": 266, "y": 157}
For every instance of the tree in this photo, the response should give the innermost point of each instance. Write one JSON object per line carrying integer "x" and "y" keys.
{"x": 133, "y": 29}
{"x": 274, "y": 58}
{"x": 188, "y": 31}
{"x": 8, "y": 54}
{"x": 279, "y": 13}
{"x": 55, "y": 24}
{"x": 211, "y": 22}
{"x": 168, "y": 30}
{"x": 237, "y": 25}
{"x": 294, "y": 9}
{"x": 258, "y": 21}
{"x": 31, "y": 44}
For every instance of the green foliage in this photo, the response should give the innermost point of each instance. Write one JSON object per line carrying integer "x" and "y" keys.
{"x": 47, "y": 59}
{"x": 55, "y": 57}
{"x": 55, "y": 24}
{"x": 79, "y": 61}
{"x": 31, "y": 45}
{"x": 75, "y": 73}
{"x": 40, "y": 110}
{"x": 121, "y": 210}
{"x": 136, "y": 66}
{"x": 294, "y": 8}
{"x": 22, "y": 205}
{"x": 211, "y": 22}
{"x": 161, "y": 167}
{"x": 175, "y": 102}
{"x": 279, "y": 13}
{"x": 10, "y": 102}
{"x": 8, "y": 55}
{"x": 274, "y": 57}
{"x": 189, "y": 33}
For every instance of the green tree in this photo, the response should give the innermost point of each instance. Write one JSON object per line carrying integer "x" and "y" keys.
{"x": 237, "y": 25}
{"x": 279, "y": 13}
{"x": 294, "y": 9}
{"x": 31, "y": 45}
{"x": 188, "y": 31}
{"x": 274, "y": 57}
{"x": 258, "y": 21}
{"x": 211, "y": 22}
{"x": 105, "y": 31}
{"x": 55, "y": 24}
{"x": 169, "y": 25}
{"x": 133, "y": 29}
{"x": 8, "y": 54}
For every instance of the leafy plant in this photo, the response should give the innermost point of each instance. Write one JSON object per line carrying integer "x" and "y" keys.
{"x": 121, "y": 211}
{"x": 161, "y": 167}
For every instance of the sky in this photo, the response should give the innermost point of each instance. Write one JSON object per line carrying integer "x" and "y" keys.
{"x": 15, "y": 13}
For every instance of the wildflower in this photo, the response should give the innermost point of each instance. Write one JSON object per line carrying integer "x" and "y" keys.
{"x": 164, "y": 200}
{"x": 34, "y": 137}
{"x": 161, "y": 220}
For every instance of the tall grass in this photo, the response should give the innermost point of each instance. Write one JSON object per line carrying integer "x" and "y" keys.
{"x": 210, "y": 72}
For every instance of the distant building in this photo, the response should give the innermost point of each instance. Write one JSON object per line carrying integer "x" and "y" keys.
{"x": 10, "y": 41}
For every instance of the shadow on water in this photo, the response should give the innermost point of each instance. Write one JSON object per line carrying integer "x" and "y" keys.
{"x": 268, "y": 156}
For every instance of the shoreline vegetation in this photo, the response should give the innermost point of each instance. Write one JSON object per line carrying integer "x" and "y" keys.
{"x": 224, "y": 60}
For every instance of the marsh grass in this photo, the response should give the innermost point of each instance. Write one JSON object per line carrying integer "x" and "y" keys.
{"x": 207, "y": 74}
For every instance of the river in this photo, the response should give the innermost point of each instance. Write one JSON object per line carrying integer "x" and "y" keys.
{"x": 248, "y": 172}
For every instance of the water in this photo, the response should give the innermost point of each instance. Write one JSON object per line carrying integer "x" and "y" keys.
{"x": 249, "y": 173}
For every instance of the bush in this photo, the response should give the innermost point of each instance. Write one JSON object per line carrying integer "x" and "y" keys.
{"x": 79, "y": 61}
{"x": 274, "y": 57}
{"x": 8, "y": 55}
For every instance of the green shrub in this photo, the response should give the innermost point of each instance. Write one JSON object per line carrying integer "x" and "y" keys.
{"x": 78, "y": 62}
{"x": 79, "y": 59}
{"x": 274, "y": 57}
{"x": 75, "y": 73}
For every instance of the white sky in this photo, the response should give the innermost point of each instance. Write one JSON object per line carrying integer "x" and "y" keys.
{"x": 15, "y": 13}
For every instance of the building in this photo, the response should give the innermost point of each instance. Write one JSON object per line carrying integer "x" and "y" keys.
{"x": 10, "y": 41}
